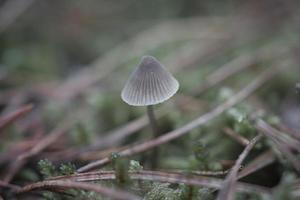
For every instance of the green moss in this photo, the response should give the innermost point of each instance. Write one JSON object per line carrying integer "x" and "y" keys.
{"x": 67, "y": 169}
{"x": 47, "y": 169}
{"x": 162, "y": 192}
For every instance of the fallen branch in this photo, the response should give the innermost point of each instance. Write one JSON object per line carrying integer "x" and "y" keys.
{"x": 40, "y": 146}
{"x": 44, "y": 143}
{"x": 122, "y": 132}
{"x": 8, "y": 185}
{"x": 168, "y": 177}
{"x": 11, "y": 10}
{"x": 228, "y": 190}
{"x": 12, "y": 117}
{"x": 237, "y": 65}
{"x": 270, "y": 132}
{"x": 261, "y": 161}
{"x": 58, "y": 184}
{"x": 280, "y": 136}
{"x": 238, "y": 138}
{"x": 291, "y": 132}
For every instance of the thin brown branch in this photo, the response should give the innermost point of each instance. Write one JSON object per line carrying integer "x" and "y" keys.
{"x": 12, "y": 117}
{"x": 240, "y": 96}
{"x": 11, "y": 10}
{"x": 117, "y": 135}
{"x": 261, "y": 161}
{"x": 282, "y": 137}
{"x": 200, "y": 173}
{"x": 236, "y": 66}
{"x": 238, "y": 138}
{"x": 270, "y": 133}
{"x": 199, "y": 181}
{"x": 233, "y": 67}
{"x": 3, "y": 184}
{"x": 228, "y": 190}
{"x": 22, "y": 159}
{"x": 13, "y": 169}
{"x": 168, "y": 177}
{"x": 58, "y": 184}
{"x": 291, "y": 132}
{"x": 73, "y": 153}
{"x": 44, "y": 143}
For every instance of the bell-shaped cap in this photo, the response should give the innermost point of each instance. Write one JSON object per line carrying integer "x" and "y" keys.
{"x": 149, "y": 84}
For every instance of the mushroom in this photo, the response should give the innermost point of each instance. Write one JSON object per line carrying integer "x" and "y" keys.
{"x": 149, "y": 84}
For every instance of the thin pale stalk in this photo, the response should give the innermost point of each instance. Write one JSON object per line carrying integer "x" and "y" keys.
{"x": 155, "y": 134}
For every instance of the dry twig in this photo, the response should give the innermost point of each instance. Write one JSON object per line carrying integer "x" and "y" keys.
{"x": 228, "y": 189}
{"x": 8, "y": 185}
{"x": 11, "y": 10}
{"x": 40, "y": 146}
{"x": 238, "y": 138}
{"x": 291, "y": 132}
{"x": 237, "y": 65}
{"x": 58, "y": 184}
{"x": 270, "y": 132}
{"x": 12, "y": 117}
{"x": 168, "y": 177}
{"x": 44, "y": 143}
{"x": 261, "y": 161}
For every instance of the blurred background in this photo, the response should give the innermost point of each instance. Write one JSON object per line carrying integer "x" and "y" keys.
{"x": 46, "y": 40}
{"x": 59, "y": 50}
{"x": 70, "y": 60}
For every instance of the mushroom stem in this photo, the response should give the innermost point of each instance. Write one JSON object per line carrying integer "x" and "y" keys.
{"x": 155, "y": 133}
{"x": 298, "y": 88}
{"x": 152, "y": 120}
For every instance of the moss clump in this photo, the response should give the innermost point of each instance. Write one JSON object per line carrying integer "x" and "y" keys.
{"x": 47, "y": 169}
{"x": 162, "y": 192}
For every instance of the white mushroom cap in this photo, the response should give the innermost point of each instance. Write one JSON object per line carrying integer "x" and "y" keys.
{"x": 149, "y": 84}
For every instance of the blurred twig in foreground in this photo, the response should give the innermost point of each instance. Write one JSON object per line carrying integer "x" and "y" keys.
{"x": 11, "y": 10}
